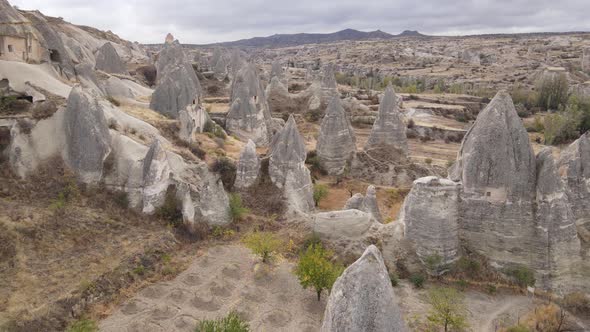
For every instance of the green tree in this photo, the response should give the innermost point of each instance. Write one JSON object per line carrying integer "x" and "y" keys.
{"x": 263, "y": 244}
{"x": 231, "y": 323}
{"x": 316, "y": 270}
{"x": 320, "y": 192}
{"x": 553, "y": 91}
{"x": 448, "y": 309}
{"x": 236, "y": 207}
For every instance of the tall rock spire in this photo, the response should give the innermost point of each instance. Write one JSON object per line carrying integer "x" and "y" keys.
{"x": 336, "y": 143}
{"x": 389, "y": 128}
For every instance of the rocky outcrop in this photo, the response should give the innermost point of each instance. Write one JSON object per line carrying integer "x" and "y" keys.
{"x": 87, "y": 77}
{"x": 248, "y": 167}
{"x": 287, "y": 168}
{"x": 277, "y": 71}
{"x": 388, "y": 128}
{"x": 362, "y": 298}
{"x": 156, "y": 177}
{"x": 336, "y": 142}
{"x": 87, "y": 136}
{"x": 574, "y": 167}
{"x": 367, "y": 203}
{"x": 175, "y": 92}
{"x": 506, "y": 205}
{"x": 562, "y": 269}
{"x": 192, "y": 120}
{"x": 496, "y": 167}
{"x": 430, "y": 219}
{"x": 177, "y": 83}
{"x": 108, "y": 60}
{"x": 249, "y": 115}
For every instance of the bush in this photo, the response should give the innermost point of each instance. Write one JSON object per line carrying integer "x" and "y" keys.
{"x": 263, "y": 244}
{"x": 231, "y": 323}
{"x": 394, "y": 279}
{"x": 553, "y": 92}
{"x": 418, "y": 280}
{"x": 236, "y": 208}
{"x": 448, "y": 310}
{"x": 315, "y": 164}
{"x": 320, "y": 192}
{"x": 82, "y": 325}
{"x": 469, "y": 266}
{"x": 311, "y": 240}
{"x": 578, "y": 303}
{"x": 316, "y": 270}
{"x": 121, "y": 199}
{"x": 197, "y": 151}
{"x": 226, "y": 169}
{"x": 559, "y": 128}
{"x": 491, "y": 289}
{"x": 171, "y": 210}
{"x": 522, "y": 275}
{"x": 411, "y": 123}
{"x": 428, "y": 161}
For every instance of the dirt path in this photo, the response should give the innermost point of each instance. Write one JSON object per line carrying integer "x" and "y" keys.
{"x": 225, "y": 278}
{"x": 511, "y": 308}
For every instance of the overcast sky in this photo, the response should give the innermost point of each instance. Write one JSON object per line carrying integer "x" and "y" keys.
{"x": 208, "y": 21}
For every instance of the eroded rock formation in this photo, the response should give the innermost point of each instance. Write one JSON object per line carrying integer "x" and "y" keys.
{"x": 507, "y": 204}
{"x": 87, "y": 135}
{"x": 389, "y": 128}
{"x": 249, "y": 115}
{"x": 362, "y": 298}
{"x": 108, "y": 60}
{"x": 430, "y": 218}
{"x": 192, "y": 120}
{"x": 175, "y": 92}
{"x": 248, "y": 167}
{"x": 287, "y": 168}
{"x": 336, "y": 142}
{"x": 367, "y": 203}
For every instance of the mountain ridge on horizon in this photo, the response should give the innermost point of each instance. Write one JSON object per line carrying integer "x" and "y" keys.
{"x": 313, "y": 38}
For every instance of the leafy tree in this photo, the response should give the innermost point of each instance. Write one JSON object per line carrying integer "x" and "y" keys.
{"x": 263, "y": 244}
{"x": 231, "y": 323}
{"x": 316, "y": 270}
{"x": 448, "y": 309}
{"x": 320, "y": 192}
{"x": 236, "y": 207}
{"x": 553, "y": 91}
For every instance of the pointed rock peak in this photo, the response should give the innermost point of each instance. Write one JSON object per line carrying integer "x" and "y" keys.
{"x": 390, "y": 100}
{"x": 169, "y": 39}
{"x": 288, "y": 143}
{"x": 276, "y": 70}
{"x": 362, "y": 298}
{"x": 502, "y": 102}
{"x": 335, "y": 107}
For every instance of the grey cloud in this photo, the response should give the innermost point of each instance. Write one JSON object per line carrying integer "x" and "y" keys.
{"x": 220, "y": 20}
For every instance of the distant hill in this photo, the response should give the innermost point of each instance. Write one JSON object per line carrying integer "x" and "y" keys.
{"x": 280, "y": 40}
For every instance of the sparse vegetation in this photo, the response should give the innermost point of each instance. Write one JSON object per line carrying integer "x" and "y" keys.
{"x": 231, "y": 323}
{"x": 394, "y": 279}
{"x": 522, "y": 275}
{"x": 263, "y": 244}
{"x": 316, "y": 270}
{"x": 226, "y": 169}
{"x": 171, "y": 209}
{"x": 320, "y": 192}
{"x": 553, "y": 92}
{"x": 83, "y": 325}
{"x": 448, "y": 310}
{"x": 236, "y": 207}
{"x": 418, "y": 280}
